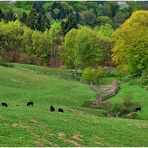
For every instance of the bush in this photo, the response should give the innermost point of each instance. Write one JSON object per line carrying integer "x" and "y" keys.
{"x": 113, "y": 72}
{"x": 105, "y": 105}
{"x": 126, "y": 78}
{"x": 90, "y": 75}
{"x": 123, "y": 70}
{"x": 4, "y": 63}
{"x": 101, "y": 72}
{"x": 146, "y": 87}
{"x": 86, "y": 104}
{"x": 143, "y": 81}
{"x": 125, "y": 108}
{"x": 132, "y": 115}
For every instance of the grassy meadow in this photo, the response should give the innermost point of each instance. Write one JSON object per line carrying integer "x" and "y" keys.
{"x": 77, "y": 126}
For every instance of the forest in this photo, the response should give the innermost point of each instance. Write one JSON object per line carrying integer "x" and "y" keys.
{"x": 74, "y": 34}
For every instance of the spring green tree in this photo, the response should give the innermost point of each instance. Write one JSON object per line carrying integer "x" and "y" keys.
{"x": 87, "y": 42}
{"x": 70, "y": 53}
{"x": 130, "y": 46}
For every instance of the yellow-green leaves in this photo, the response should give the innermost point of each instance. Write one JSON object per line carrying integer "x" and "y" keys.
{"x": 131, "y": 42}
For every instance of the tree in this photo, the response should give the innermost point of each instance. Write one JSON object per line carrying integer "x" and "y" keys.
{"x": 88, "y": 45}
{"x": 82, "y": 48}
{"x": 107, "y": 11}
{"x": 69, "y": 23}
{"x": 102, "y": 20}
{"x": 9, "y": 15}
{"x": 70, "y": 53}
{"x": 118, "y": 19}
{"x": 54, "y": 36}
{"x": 32, "y": 19}
{"x": 131, "y": 43}
{"x": 104, "y": 33}
{"x": 23, "y": 18}
{"x": 77, "y": 17}
{"x": 60, "y": 10}
{"x": 37, "y": 5}
{"x": 105, "y": 30}
{"x": 45, "y": 23}
{"x": 1, "y": 14}
{"x": 11, "y": 37}
{"x": 88, "y": 18}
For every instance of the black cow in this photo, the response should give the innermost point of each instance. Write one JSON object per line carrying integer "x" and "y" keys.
{"x": 137, "y": 109}
{"x": 4, "y": 104}
{"x": 60, "y": 110}
{"x": 52, "y": 109}
{"x": 29, "y": 104}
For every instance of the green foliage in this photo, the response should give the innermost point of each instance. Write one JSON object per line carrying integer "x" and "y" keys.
{"x": 88, "y": 18}
{"x": 73, "y": 13}
{"x": 102, "y": 20}
{"x": 4, "y": 63}
{"x": 81, "y": 48}
{"x": 130, "y": 42}
{"x": 105, "y": 105}
{"x": 11, "y": 35}
{"x": 9, "y": 16}
{"x": 91, "y": 75}
{"x": 89, "y": 47}
{"x": 143, "y": 80}
{"x": 119, "y": 19}
{"x": 70, "y": 53}
{"x": 138, "y": 95}
{"x": 126, "y": 107}
{"x": 17, "y": 38}
{"x": 105, "y": 31}
{"x": 69, "y": 23}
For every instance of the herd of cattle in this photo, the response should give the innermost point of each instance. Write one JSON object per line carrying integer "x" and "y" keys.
{"x": 52, "y": 108}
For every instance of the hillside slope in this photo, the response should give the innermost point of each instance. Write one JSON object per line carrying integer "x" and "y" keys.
{"x": 37, "y": 126}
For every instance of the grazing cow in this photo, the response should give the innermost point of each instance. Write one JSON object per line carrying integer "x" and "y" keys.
{"x": 29, "y": 104}
{"x": 52, "y": 109}
{"x": 4, "y": 104}
{"x": 61, "y": 110}
{"x": 137, "y": 109}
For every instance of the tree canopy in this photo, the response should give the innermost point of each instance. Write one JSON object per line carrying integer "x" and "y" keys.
{"x": 131, "y": 43}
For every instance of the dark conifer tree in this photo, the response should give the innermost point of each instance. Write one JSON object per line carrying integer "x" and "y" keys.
{"x": 77, "y": 17}
{"x": 23, "y": 18}
{"x": 69, "y": 23}
{"x": 9, "y": 16}
{"x": 32, "y": 19}
{"x": 37, "y": 5}
{"x": 1, "y": 14}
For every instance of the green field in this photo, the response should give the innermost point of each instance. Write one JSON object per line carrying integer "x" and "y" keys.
{"x": 78, "y": 126}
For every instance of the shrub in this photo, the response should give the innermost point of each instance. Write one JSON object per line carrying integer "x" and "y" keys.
{"x": 86, "y": 104}
{"x": 123, "y": 70}
{"x": 4, "y": 63}
{"x": 146, "y": 87}
{"x": 101, "y": 72}
{"x": 105, "y": 105}
{"x": 132, "y": 115}
{"x": 90, "y": 75}
{"x": 126, "y": 107}
{"x": 113, "y": 72}
{"x": 143, "y": 79}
